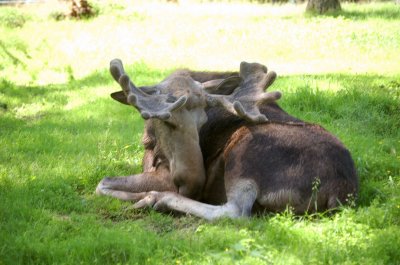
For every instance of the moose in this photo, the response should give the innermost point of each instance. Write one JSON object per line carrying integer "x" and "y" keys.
{"x": 217, "y": 145}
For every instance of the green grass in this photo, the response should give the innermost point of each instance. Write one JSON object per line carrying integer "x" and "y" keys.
{"x": 60, "y": 133}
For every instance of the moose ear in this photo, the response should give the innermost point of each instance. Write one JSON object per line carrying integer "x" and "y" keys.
{"x": 120, "y": 97}
{"x": 222, "y": 86}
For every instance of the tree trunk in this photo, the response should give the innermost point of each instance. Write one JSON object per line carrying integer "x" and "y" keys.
{"x": 81, "y": 8}
{"x": 322, "y": 6}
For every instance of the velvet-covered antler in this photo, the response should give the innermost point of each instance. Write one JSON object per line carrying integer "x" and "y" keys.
{"x": 150, "y": 106}
{"x": 246, "y": 98}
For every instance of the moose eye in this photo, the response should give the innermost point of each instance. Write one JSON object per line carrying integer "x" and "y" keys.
{"x": 171, "y": 98}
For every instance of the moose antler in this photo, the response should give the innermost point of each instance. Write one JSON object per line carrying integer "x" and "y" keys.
{"x": 245, "y": 99}
{"x": 150, "y": 106}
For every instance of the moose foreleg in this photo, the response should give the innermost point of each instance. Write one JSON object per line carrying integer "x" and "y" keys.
{"x": 135, "y": 187}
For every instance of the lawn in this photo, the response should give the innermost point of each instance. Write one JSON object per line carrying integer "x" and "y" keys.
{"x": 61, "y": 133}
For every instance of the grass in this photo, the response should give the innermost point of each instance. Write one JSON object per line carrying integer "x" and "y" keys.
{"x": 60, "y": 133}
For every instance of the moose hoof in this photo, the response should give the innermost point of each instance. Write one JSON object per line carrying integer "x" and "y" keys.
{"x": 148, "y": 201}
{"x": 102, "y": 187}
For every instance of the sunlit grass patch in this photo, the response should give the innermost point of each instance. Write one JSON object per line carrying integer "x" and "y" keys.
{"x": 206, "y": 36}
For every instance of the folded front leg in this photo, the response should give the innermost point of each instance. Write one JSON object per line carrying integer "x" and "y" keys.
{"x": 135, "y": 187}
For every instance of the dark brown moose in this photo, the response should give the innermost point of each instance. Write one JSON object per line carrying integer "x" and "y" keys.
{"x": 217, "y": 145}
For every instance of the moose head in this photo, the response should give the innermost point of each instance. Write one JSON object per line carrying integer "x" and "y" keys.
{"x": 175, "y": 112}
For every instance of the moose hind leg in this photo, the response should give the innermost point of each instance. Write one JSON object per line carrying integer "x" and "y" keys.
{"x": 242, "y": 193}
{"x": 241, "y": 197}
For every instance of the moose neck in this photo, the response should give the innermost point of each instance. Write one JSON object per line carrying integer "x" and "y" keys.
{"x": 221, "y": 123}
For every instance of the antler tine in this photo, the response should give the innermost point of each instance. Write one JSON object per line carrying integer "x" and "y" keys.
{"x": 116, "y": 69}
{"x": 269, "y": 79}
{"x": 149, "y": 106}
{"x": 118, "y": 73}
{"x": 246, "y": 99}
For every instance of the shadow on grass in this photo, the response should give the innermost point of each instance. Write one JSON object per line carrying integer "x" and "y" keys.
{"x": 386, "y": 14}
{"x": 383, "y": 13}
{"x": 55, "y": 92}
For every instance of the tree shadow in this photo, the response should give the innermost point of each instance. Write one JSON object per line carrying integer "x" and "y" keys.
{"x": 14, "y": 58}
{"x": 381, "y": 13}
{"x": 387, "y": 14}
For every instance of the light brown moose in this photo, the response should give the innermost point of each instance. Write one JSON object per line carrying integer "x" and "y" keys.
{"x": 217, "y": 145}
